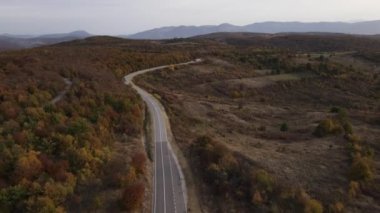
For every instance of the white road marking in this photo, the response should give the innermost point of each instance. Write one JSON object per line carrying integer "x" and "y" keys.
{"x": 171, "y": 174}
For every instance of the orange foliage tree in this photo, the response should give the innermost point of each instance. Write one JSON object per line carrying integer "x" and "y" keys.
{"x": 133, "y": 196}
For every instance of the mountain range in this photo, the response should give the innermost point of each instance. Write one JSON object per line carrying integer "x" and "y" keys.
{"x": 363, "y": 28}
{"x": 9, "y": 41}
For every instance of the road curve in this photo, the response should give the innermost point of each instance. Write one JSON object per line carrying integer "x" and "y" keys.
{"x": 169, "y": 193}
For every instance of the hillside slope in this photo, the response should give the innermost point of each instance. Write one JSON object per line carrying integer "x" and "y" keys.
{"x": 86, "y": 149}
{"x": 10, "y": 42}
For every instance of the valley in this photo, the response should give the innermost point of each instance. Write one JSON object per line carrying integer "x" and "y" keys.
{"x": 263, "y": 123}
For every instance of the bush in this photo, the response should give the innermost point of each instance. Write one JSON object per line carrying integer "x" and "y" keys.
{"x": 361, "y": 169}
{"x": 354, "y": 189}
{"x": 133, "y": 196}
{"x": 264, "y": 180}
{"x": 257, "y": 198}
{"x": 97, "y": 203}
{"x": 354, "y": 139}
{"x": 220, "y": 168}
{"x": 348, "y": 128}
{"x": 313, "y": 206}
{"x": 284, "y": 127}
{"x": 138, "y": 162}
{"x": 129, "y": 178}
{"x": 327, "y": 127}
{"x": 335, "y": 109}
{"x": 338, "y": 207}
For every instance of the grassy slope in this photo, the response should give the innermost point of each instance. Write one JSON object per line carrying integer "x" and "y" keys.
{"x": 226, "y": 100}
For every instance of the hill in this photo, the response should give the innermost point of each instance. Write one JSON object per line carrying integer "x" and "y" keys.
{"x": 8, "y": 41}
{"x": 72, "y": 154}
{"x": 278, "y": 122}
{"x": 366, "y": 28}
{"x": 317, "y": 42}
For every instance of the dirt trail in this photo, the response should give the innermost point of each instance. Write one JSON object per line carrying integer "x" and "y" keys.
{"x": 63, "y": 92}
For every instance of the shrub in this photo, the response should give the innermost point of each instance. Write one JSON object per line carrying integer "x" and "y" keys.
{"x": 133, "y": 196}
{"x": 257, "y": 198}
{"x": 354, "y": 189}
{"x": 97, "y": 203}
{"x": 353, "y": 138}
{"x": 228, "y": 162}
{"x": 284, "y": 127}
{"x": 348, "y": 128}
{"x": 335, "y": 109}
{"x": 338, "y": 207}
{"x": 138, "y": 162}
{"x": 262, "y": 128}
{"x": 236, "y": 94}
{"x": 220, "y": 168}
{"x": 342, "y": 115}
{"x": 129, "y": 178}
{"x": 313, "y": 206}
{"x": 361, "y": 169}
{"x": 264, "y": 180}
{"x": 327, "y": 127}
{"x": 302, "y": 196}
{"x": 213, "y": 173}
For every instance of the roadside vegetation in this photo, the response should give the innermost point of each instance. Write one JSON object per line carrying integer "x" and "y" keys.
{"x": 232, "y": 177}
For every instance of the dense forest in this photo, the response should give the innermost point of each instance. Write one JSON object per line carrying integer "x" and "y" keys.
{"x": 49, "y": 151}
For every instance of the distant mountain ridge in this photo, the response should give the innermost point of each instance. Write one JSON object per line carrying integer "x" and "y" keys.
{"x": 364, "y": 28}
{"x": 9, "y": 41}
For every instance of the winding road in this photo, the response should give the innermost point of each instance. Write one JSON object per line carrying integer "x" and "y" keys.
{"x": 169, "y": 193}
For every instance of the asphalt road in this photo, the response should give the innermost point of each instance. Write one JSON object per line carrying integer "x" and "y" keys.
{"x": 169, "y": 193}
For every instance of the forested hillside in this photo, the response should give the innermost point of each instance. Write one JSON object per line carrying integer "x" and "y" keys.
{"x": 49, "y": 152}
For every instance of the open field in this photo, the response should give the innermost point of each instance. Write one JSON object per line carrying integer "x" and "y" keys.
{"x": 268, "y": 120}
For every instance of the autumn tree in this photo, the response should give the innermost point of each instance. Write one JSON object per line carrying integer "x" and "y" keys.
{"x": 133, "y": 196}
{"x": 28, "y": 166}
{"x": 139, "y": 162}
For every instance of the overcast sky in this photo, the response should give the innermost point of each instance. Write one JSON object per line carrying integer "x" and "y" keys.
{"x": 130, "y": 16}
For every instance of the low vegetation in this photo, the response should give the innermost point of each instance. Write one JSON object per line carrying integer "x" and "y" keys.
{"x": 264, "y": 110}
{"x": 231, "y": 177}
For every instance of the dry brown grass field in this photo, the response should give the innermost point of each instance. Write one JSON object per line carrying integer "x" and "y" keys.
{"x": 268, "y": 119}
